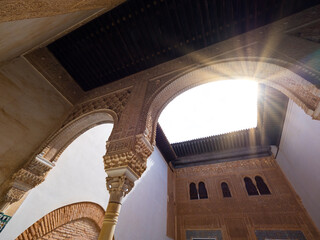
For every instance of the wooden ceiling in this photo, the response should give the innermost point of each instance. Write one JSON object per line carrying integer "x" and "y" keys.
{"x": 140, "y": 34}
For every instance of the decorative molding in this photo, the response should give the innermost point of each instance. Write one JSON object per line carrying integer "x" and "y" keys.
{"x": 84, "y": 116}
{"x": 225, "y": 167}
{"x": 56, "y": 144}
{"x": 17, "y": 10}
{"x": 106, "y": 109}
{"x": 115, "y": 102}
{"x": 25, "y": 179}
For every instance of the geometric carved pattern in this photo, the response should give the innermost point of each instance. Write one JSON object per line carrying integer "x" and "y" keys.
{"x": 131, "y": 151}
{"x": 114, "y": 101}
{"x": 61, "y": 140}
{"x": 81, "y": 214}
{"x": 4, "y": 219}
{"x": 227, "y": 167}
{"x": 81, "y": 119}
{"x": 239, "y": 216}
{"x": 29, "y": 176}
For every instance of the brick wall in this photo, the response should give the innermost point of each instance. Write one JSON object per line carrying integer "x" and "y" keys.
{"x": 239, "y": 216}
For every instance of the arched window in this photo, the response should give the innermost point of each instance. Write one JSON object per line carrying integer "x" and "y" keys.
{"x": 202, "y": 191}
{"x": 225, "y": 190}
{"x": 193, "y": 191}
{"x": 262, "y": 186}
{"x": 251, "y": 188}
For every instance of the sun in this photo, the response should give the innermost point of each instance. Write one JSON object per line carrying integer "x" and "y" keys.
{"x": 211, "y": 109}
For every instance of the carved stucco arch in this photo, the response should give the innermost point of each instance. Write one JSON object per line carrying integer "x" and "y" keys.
{"x": 73, "y": 129}
{"x": 35, "y": 171}
{"x": 86, "y": 212}
{"x": 268, "y": 72}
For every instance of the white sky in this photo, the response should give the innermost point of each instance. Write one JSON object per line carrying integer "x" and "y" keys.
{"x": 211, "y": 109}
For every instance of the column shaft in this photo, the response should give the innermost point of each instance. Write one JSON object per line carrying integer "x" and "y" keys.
{"x": 110, "y": 221}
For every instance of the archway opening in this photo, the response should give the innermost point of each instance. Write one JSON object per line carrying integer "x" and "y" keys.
{"x": 211, "y": 109}
{"x": 78, "y": 176}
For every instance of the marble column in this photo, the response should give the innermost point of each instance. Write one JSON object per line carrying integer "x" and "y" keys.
{"x": 119, "y": 183}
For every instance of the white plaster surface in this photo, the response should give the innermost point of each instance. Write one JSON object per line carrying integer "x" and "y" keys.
{"x": 78, "y": 176}
{"x": 144, "y": 211}
{"x": 299, "y": 157}
{"x": 17, "y": 37}
{"x": 30, "y": 108}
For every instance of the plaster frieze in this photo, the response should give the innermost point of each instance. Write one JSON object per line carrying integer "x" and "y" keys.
{"x": 106, "y": 109}
{"x": 227, "y": 167}
{"x": 28, "y": 177}
{"x": 115, "y": 102}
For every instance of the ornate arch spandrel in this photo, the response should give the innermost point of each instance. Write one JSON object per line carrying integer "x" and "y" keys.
{"x": 105, "y": 109}
{"x": 85, "y": 115}
{"x": 86, "y": 212}
{"x": 269, "y": 72}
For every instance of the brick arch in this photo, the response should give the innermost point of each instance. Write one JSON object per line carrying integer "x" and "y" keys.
{"x": 75, "y": 221}
{"x": 268, "y": 72}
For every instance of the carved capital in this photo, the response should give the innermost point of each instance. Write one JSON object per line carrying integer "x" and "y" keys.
{"x": 33, "y": 173}
{"x": 120, "y": 181}
{"x": 129, "y": 152}
{"x": 118, "y": 187}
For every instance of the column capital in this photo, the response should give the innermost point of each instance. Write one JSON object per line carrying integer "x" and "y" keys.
{"x": 120, "y": 181}
{"x": 131, "y": 152}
